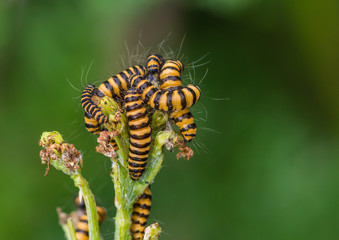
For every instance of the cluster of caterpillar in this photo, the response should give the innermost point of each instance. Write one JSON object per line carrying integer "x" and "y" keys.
{"x": 157, "y": 85}
{"x": 81, "y": 228}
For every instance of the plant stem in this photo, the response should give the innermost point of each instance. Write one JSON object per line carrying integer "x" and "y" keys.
{"x": 82, "y": 184}
{"x": 70, "y": 230}
{"x": 127, "y": 191}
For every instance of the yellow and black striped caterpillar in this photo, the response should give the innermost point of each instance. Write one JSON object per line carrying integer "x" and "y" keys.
{"x": 115, "y": 87}
{"x": 90, "y": 107}
{"x": 95, "y": 128}
{"x": 170, "y": 80}
{"x": 141, "y": 209}
{"x": 154, "y": 63}
{"x": 140, "y": 133}
{"x": 81, "y": 228}
{"x": 178, "y": 99}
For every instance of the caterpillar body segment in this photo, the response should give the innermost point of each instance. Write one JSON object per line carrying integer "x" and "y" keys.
{"x": 184, "y": 120}
{"x": 178, "y": 99}
{"x": 91, "y": 124}
{"x": 90, "y": 107}
{"x": 141, "y": 209}
{"x": 153, "y": 66}
{"x": 116, "y": 86}
{"x": 170, "y": 80}
{"x": 82, "y": 228}
{"x": 95, "y": 128}
{"x": 170, "y": 75}
{"x": 140, "y": 133}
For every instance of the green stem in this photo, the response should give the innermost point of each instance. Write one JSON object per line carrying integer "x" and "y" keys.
{"x": 70, "y": 230}
{"x": 82, "y": 184}
{"x": 127, "y": 191}
{"x": 122, "y": 219}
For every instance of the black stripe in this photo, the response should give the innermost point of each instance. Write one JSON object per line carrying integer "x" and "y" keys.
{"x": 149, "y": 94}
{"x": 139, "y": 137}
{"x": 169, "y": 101}
{"x": 193, "y": 94}
{"x": 136, "y": 170}
{"x": 157, "y": 99}
{"x": 140, "y": 145}
{"x": 190, "y": 135}
{"x": 172, "y": 68}
{"x": 109, "y": 87}
{"x": 171, "y": 78}
{"x": 142, "y": 125}
{"x": 138, "y": 159}
{"x": 189, "y": 126}
{"x": 140, "y": 214}
{"x": 138, "y": 152}
{"x": 89, "y": 125}
{"x": 118, "y": 82}
{"x": 138, "y": 222}
{"x": 135, "y": 80}
{"x": 143, "y": 86}
{"x": 143, "y": 206}
{"x": 82, "y": 231}
{"x": 99, "y": 94}
{"x": 184, "y": 116}
{"x": 136, "y": 116}
{"x": 135, "y": 106}
{"x": 146, "y": 196}
{"x": 133, "y": 164}
{"x": 183, "y": 98}
{"x": 129, "y": 72}
{"x": 83, "y": 220}
{"x": 84, "y": 105}
{"x": 123, "y": 75}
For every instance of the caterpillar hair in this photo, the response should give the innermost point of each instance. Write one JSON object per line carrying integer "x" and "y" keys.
{"x": 141, "y": 209}
{"x": 140, "y": 133}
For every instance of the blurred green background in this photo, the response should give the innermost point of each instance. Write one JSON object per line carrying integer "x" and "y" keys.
{"x": 266, "y": 156}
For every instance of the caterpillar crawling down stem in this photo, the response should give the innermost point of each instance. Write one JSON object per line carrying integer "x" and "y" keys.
{"x": 141, "y": 209}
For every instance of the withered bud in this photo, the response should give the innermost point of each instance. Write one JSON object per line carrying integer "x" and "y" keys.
{"x": 107, "y": 144}
{"x": 185, "y": 152}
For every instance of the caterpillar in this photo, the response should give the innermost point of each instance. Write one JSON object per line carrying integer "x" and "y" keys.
{"x": 95, "y": 128}
{"x": 153, "y": 64}
{"x": 141, "y": 209}
{"x": 115, "y": 87}
{"x": 170, "y": 75}
{"x": 81, "y": 229}
{"x": 90, "y": 107}
{"x": 170, "y": 80}
{"x": 140, "y": 133}
{"x": 178, "y": 99}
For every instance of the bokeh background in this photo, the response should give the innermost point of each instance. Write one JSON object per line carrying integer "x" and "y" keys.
{"x": 266, "y": 156}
